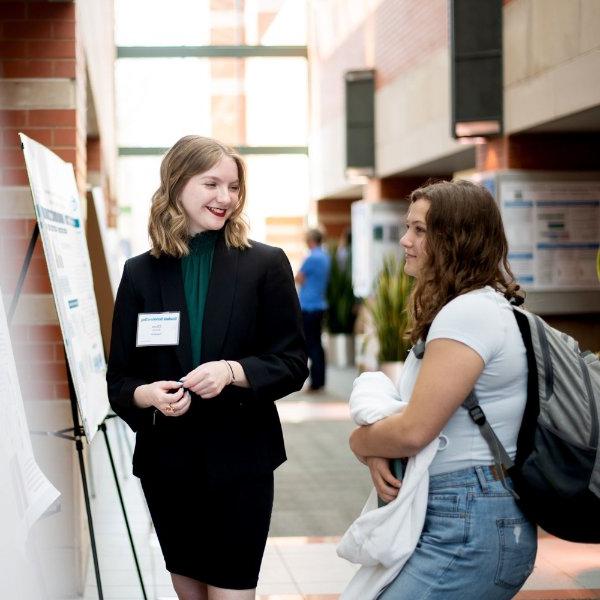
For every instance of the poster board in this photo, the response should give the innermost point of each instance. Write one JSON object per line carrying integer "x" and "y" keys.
{"x": 26, "y": 493}
{"x": 58, "y": 212}
{"x": 553, "y": 231}
{"x": 376, "y": 231}
{"x": 103, "y": 263}
{"x": 538, "y": 209}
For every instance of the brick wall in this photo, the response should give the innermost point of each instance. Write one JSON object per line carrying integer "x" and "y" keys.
{"x": 39, "y": 98}
{"x": 395, "y": 37}
{"x": 37, "y": 39}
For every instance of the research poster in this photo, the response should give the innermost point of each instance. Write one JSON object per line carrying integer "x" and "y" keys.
{"x": 58, "y": 213}
{"x": 26, "y": 493}
{"x": 553, "y": 231}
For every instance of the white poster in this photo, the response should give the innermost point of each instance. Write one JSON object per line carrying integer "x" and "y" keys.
{"x": 58, "y": 212}
{"x": 553, "y": 231}
{"x": 26, "y": 493}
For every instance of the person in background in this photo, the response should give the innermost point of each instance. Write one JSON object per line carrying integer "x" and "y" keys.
{"x": 476, "y": 542}
{"x": 312, "y": 278}
{"x": 343, "y": 252}
{"x": 207, "y": 334}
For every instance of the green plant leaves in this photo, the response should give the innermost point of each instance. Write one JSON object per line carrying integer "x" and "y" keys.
{"x": 388, "y": 307}
{"x": 340, "y": 297}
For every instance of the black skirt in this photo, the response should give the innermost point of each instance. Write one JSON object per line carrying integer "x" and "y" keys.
{"x": 211, "y": 531}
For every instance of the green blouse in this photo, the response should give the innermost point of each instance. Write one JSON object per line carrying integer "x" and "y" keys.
{"x": 195, "y": 268}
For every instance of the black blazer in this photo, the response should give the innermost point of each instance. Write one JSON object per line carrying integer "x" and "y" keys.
{"x": 252, "y": 315}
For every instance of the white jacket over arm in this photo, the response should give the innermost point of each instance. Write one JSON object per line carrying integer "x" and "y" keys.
{"x": 382, "y": 539}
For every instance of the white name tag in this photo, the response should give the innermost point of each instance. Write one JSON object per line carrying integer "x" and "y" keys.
{"x": 158, "y": 329}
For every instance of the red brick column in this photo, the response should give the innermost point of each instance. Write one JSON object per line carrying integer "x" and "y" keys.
{"x": 395, "y": 188}
{"x": 545, "y": 151}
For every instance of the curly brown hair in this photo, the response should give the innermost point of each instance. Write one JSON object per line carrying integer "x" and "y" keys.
{"x": 465, "y": 249}
{"x": 168, "y": 223}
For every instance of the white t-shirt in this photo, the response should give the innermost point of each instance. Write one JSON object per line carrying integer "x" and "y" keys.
{"x": 483, "y": 320}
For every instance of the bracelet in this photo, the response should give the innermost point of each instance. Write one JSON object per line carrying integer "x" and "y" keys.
{"x": 232, "y": 380}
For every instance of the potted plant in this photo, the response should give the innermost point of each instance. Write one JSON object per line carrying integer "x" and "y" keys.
{"x": 342, "y": 312}
{"x": 388, "y": 309}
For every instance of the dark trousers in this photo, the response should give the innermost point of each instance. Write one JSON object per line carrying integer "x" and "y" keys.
{"x": 313, "y": 322}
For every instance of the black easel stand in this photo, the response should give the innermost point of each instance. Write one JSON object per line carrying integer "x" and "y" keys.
{"x": 78, "y": 433}
{"x": 102, "y": 427}
{"x": 22, "y": 274}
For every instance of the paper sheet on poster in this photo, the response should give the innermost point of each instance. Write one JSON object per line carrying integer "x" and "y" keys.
{"x": 553, "y": 231}
{"x": 26, "y": 492}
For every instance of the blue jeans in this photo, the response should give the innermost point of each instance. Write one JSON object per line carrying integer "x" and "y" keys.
{"x": 476, "y": 543}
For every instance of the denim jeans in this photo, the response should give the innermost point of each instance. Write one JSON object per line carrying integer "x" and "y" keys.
{"x": 476, "y": 543}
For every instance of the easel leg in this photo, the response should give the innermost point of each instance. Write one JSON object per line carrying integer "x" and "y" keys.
{"x": 79, "y": 445}
{"x": 92, "y": 479}
{"x": 116, "y": 478}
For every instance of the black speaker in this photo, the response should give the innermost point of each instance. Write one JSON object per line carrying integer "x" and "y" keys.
{"x": 476, "y": 67}
{"x": 360, "y": 123}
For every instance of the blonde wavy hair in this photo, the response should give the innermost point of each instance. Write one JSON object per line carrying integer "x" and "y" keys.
{"x": 168, "y": 224}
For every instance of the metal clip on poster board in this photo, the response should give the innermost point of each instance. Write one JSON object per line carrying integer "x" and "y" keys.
{"x": 76, "y": 434}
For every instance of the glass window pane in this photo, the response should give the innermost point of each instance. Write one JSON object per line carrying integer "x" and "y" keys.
{"x": 138, "y": 178}
{"x": 277, "y": 187}
{"x": 160, "y": 23}
{"x": 193, "y": 23}
{"x": 235, "y": 100}
{"x": 161, "y": 99}
{"x": 284, "y": 25}
{"x": 277, "y": 101}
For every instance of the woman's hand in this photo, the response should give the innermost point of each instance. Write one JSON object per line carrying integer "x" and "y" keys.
{"x": 209, "y": 379}
{"x": 385, "y": 483}
{"x": 158, "y": 394}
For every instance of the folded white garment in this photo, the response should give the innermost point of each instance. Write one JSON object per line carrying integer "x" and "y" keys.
{"x": 373, "y": 398}
{"x": 382, "y": 539}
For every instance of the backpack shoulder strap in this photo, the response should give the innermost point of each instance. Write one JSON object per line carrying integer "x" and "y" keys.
{"x": 525, "y": 441}
{"x": 502, "y": 461}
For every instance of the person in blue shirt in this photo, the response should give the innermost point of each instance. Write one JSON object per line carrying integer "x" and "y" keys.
{"x": 312, "y": 278}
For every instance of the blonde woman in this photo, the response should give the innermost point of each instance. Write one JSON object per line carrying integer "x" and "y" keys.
{"x": 476, "y": 542}
{"x": 206, "y": 335}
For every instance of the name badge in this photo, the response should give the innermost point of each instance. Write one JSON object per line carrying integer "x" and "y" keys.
{"x": 158, "y": 329}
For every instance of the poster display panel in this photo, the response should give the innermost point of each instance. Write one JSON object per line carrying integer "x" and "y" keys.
{"x": 553, "y": 231}
{"x": 58, "y": 213}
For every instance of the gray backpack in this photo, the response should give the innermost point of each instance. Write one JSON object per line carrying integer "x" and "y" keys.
{"x": 556, "y": 471}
